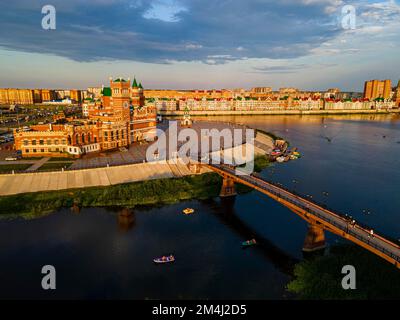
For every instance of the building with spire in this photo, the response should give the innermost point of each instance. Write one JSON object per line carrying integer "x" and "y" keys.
{"x": 118, "y": 119}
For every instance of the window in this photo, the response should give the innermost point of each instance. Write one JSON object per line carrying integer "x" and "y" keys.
{"x": 41, "y": 142}
{"x": 26, "y": 142}
{"x": 117, "y": 133}
{"x": 112, "y": 135}
{"x": 34, "y": 150}
{"x": 63, "y": 141}
{"x": 27, "y": 151}
{"x": 56, "y": 141}
{"x": 48, "y": 142}
{"x": 34, "y": 143}
{"x": 42, "y": 150}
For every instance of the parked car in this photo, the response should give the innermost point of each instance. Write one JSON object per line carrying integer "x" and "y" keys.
{"x": 11, "y": 159}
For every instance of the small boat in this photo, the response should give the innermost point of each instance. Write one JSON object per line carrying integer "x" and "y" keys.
{"x": 188, "y": 211}
{"x": 280, "y": 159}
{"x": 293, "y": 157}
{"x": 249, "y": 243}
{"x": 164, "y": 259}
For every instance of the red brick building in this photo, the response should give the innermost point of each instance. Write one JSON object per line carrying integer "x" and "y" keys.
{"x": 118, "y": 119}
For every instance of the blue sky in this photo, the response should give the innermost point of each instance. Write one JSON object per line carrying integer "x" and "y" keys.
{"x": 206, "y": 44}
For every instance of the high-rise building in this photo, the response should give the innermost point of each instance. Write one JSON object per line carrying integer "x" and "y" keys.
{"x": 19, "y": 96}
{"x": 396, "y": 96}
{"x": 374, "y": 89}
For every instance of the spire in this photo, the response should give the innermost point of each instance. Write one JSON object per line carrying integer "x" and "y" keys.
{"x": 140, "y": 85}
{"x": 134, "y": 85}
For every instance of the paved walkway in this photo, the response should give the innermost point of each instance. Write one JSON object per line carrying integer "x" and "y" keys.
{"x": 37, "y": 164}
{"x": 50, "y": 181}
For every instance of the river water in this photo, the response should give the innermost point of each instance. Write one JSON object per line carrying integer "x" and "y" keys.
{"x": 351, "y": 163}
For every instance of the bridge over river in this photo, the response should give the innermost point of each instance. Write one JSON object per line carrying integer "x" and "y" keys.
{"x": 319, "y": 218}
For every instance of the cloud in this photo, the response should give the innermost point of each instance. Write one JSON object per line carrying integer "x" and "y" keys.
{"x": 288, "y": 68}
{"x": 161, "y": 31}
{"x": 164, "y": 10}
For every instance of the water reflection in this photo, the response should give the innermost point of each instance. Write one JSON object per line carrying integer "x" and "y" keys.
{"x": 126, "y": 220}
{"x": 108, "y": 252}
{"x": 225, "y": 211}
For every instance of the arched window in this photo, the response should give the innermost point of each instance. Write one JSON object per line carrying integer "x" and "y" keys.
{"x": 69, "y": 140}
{"x": 89, "y": 138}
{"x": 77, "y": 138}
{"x": 83, "y": 138}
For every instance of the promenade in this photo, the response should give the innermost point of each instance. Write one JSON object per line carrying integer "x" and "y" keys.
{"x": 100, "y": 177}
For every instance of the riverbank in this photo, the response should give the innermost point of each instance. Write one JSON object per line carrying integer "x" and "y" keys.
{"x": 149, "y": 192}
{"x": 212, "y": 113}
{"x": 320, "y": 277}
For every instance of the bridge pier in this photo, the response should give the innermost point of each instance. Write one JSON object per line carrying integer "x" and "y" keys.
{"x": 228, "y": 188}
{"x": 315, "y": 239}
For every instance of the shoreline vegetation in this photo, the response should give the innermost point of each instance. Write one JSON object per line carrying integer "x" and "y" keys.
{"x": 151, "y": 192}
{"x": 320, "y": 277}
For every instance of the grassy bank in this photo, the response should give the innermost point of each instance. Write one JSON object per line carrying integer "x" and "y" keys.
{"x": 152, "y": 192}
{"x": 55, "y": 166}
{"x": 321, "y": 277}
{"x": 8, "y": 168}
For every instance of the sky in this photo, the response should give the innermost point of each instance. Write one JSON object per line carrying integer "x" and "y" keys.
{"x": 201, "y": 44}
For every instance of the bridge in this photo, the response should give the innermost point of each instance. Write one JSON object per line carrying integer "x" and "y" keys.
{"x": 318, "y": 217}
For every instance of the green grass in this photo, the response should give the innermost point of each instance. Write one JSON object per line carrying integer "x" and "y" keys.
{"x": 152, "y": 192}
{"x": 31, "y": 158}
{"x": 321, "y": 277}
{"x": 55, "y": 166}
{"x": 61, "y": 159}
{"x": 260, "y": 163}
{"x": 7, "y": 168}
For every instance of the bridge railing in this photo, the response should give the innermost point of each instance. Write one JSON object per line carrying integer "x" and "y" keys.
{"x": 348, "y": 228}
{"x": 341, "y": 215}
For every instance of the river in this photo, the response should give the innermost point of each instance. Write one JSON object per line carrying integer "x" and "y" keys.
{"x": 351, "y": 163}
